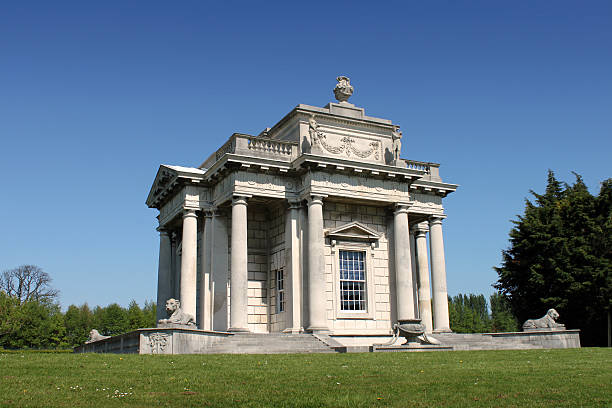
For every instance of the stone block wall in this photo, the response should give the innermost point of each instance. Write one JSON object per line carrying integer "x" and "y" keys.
{"x": 257, "y": 236}
{"x": 336, "y": 215}
{"x": 277, "y": 262}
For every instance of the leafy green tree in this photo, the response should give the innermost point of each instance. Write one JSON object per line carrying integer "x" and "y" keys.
{"x": 39, "y": 325}
{"x": 560, "y": 257}
{"x": 10, "y": 317}
{"x": 114, "y": 320}
{"x": 78, "y": 322}
{"x": 149, "y": 311}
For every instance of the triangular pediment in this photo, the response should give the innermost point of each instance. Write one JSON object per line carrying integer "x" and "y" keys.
{"x": 167, "y": 177}
{"x": 353, "y": 231}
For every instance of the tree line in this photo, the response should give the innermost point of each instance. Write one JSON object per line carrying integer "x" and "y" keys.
{"x": 40, "y": 324}
{"x": 469, "y": 313}
{"x": 30, "y": 317}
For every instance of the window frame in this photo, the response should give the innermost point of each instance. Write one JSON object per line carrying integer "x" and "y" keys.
{"x": 281, "y": 299}
{"x": 370, "y": 304}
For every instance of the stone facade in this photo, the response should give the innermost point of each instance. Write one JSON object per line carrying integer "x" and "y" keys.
{"x": 314, "y": 225}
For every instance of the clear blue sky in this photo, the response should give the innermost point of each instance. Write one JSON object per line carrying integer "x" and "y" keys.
{"x": 95, "y": 95}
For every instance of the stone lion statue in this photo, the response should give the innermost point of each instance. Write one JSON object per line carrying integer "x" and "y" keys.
{"x": 176, "y": 314}
{"x": 546, "y": 322}
{"x": 95, "y": 335}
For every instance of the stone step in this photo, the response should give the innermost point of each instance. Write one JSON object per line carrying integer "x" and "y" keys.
{"x": 274, "y": 343}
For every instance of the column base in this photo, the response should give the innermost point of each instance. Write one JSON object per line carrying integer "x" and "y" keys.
{"x": 238, "y": 330}
{"x": 318, "y": 330}
{"x": 294, "y": 330}
{"x": 443, "y": 330}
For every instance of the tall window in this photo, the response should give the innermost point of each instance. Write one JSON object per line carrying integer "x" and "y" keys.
{"x": 280, "y": 291}
{"x": 352, "y": 280}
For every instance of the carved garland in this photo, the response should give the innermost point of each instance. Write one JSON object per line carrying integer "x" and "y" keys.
{"x": 347, "y": 146}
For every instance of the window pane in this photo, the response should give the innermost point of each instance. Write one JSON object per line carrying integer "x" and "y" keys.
{"x": 352, "y": 280}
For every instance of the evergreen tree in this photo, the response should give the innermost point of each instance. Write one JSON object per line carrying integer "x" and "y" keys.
{"x": 469, "y": 314}
{"x": 502, "y": 319}
{"x": 560, "y": 257}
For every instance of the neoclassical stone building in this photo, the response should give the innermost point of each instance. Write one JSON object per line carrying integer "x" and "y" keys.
{"x": 316, "y": 224}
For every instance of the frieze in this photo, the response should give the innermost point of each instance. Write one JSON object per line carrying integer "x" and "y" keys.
{"x": 264, "y": 184}
{"x": 356, "y": 186}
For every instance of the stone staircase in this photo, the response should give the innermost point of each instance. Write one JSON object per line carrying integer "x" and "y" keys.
{"x": 269, "y": 343}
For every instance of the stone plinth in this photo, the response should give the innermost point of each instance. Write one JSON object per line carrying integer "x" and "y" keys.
{"x": 169, "y": 340}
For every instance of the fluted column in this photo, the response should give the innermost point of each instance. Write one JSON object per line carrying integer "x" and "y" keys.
{"x": 403, "y": 265}
{"x": 164, "y": 273}
{"x": 189, "y": 265}
{"x": 438, "y": 276}
{"x": 316, "y": 266}
{"x": 205, "y": 320}
{"x": 420, "y": 235}
{"x": 239, "y": 263}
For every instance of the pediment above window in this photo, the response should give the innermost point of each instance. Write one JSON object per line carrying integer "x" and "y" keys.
{"x": 353, "y": 231}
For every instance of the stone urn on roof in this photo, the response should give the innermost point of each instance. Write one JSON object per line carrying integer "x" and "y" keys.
{"x": 343, "y": 89}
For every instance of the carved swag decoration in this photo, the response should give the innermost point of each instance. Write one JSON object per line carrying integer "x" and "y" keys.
{"x": 347, "y": 143}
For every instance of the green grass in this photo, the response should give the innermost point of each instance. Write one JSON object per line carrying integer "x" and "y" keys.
{"x": 534, "y": 378}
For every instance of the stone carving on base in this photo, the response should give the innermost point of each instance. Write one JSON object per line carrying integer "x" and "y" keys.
{"x": 343, "y": 89}
{"x": 95, "y": 335}
{"x": 176, "y": 316}
{"x": 158, "y": 342}
{"x": 546, "y": 322}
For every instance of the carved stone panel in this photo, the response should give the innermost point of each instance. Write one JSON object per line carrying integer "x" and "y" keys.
{"x": 157, "y": 343}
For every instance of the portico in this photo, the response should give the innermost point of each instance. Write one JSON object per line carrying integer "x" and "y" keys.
{"x": 316, "y": 224}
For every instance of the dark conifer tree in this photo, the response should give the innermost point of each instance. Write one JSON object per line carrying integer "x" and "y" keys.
{"x": 560, "y": 257}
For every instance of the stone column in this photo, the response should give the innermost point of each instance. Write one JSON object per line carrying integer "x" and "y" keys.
{"x": 189, "y": 265}
{"x": 403, "y": 267}
{"x": 219, "y": 270}
{"x": 176, "y": 267}
{"x": 423, "y": 275}
{"x": 239, "y": 262}
{"x": 438, "y": 277}
{"x": 292, "y": 266}
{"x": 317, "y": 300}
{"x": 164, "y": 273}
{"x": 413, "y": 263}
{"x": 205, "y": 320}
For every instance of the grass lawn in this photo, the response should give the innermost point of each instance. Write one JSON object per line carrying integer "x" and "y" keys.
{"x": 534, "y": 378}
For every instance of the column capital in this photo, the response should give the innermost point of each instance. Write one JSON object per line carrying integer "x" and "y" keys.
{"x": 436, "y": 219}
{"x": 316, "y": 199}
{"x": 189, "y": 212}
{"x": 239, "y": 200}
{"x": 294, "y": 204}
{"x": 209, "y": 212}
{"x": 421, "y": 229}
{"x": 401, "y": 208}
